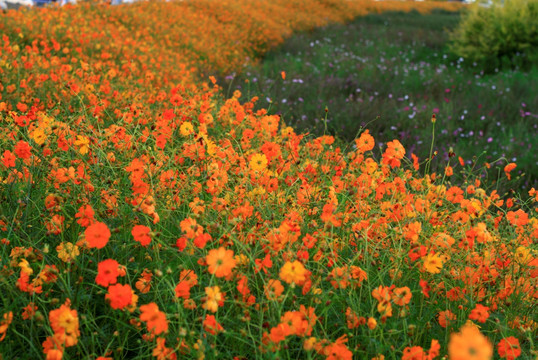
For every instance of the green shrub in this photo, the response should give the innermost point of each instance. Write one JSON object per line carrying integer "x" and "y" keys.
{"x": 503, "y": 34}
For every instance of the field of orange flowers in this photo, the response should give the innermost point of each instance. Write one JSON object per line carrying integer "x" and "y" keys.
{"x": 141, "y": 214}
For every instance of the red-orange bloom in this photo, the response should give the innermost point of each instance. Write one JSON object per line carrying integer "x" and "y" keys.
{"x": 154, "y": 319}
{"x": 120, "y": 296}
{"x": 338, "y": 351}
{"x": 85, "y": 216}
{"x": 517, "y": 218}
{"x": 480, "y": 313}
{"x": 141, "y": 234}
{"x": 508, "y": 168}
{"x": 107, "y": 272}
{"x": 365, "y": 142}
{"x": 279, "y": 333}
{"x": 161, "y": 352}
{"x": 394, "y": 153}
{"x": 27, "y": 313}
{"x": 445, "y": 317}
{"x": 414, "y": 353}
{"x": 509, "y": 348}
{"x": 211, "y": 325}
{"x": 8, "y": 159}
{"x": 183, "y": 290}
{"x": 23, "y": 150}
{"x": 97, "y": 235}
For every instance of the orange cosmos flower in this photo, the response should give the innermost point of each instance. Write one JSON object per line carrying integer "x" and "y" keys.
{"x": 211, "y": 325}
{"x": 64, "y": 323}
{"x": 188, "y": 279}
{"x": 509, "y": 348}
{"x": 352, "y": 319}
{"x": 517, "y": 218}
{"x": 480, "y": 313}
{"x": 508, "y": 168}
{"x": 120, "y": 296}
{"x": 144, "y": 283}
{"x": 445, "y": 317}
{"x": 271, "y": 150}
{"x": 97, "y": 235}
{"x": 434, "y": 349}
{"x": 220, "y": 262}
{"x": 161, "y": 352}
{"x": 469, "y": 344}
{"x": 154, "y": 319}
{"x": 294, "y": 319}
{"x": 382, "y": 293}
{"x": 293, "y": 272}
{"x": 54, "y": 354}
{"x": 273, "y": 289}
{"x": 190, "y": 228}
{"x": 394, "y": 153}
{"x": 107, "y": 272}
{"x": 4, "y": 324}
{"x": 141, "y": 234}
{"x": 279, "y": 333}
{"x": 402, "y": 296}
{"x": 365, "y": 142}
{"x": 338, "y": 351}
{"x": 189, "y": 276}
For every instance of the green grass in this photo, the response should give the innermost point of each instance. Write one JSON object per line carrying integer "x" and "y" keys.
{"x": 388, "y": 73}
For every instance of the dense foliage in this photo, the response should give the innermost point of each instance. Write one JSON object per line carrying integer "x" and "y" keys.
{"x": 502, "y": 34}
{"x": 389, "y": 72}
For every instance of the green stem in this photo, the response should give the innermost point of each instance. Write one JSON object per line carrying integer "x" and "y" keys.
{"x": 427, "y": 171}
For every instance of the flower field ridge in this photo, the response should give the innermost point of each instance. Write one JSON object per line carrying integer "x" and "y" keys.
{"x": 142, "y": 215}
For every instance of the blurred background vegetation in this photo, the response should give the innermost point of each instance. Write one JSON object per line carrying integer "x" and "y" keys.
{"x": 390, "y": 72}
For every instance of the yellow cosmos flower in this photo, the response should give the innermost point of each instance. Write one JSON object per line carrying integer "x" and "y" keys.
{"x": 39, "y": 136}
{"x": 258, "y": 162}
{"x": 433, "y": 263}
{"x": 186, "y": 129}
{"x": 82, "y": 142}
{"x": 67, "y": 251}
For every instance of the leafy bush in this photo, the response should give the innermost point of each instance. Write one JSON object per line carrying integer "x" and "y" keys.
{"x": 499, "y": 35}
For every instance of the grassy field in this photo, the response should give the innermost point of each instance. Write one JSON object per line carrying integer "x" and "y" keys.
{"x": 144, "y": 214}
{"x": 389, "y": 73}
